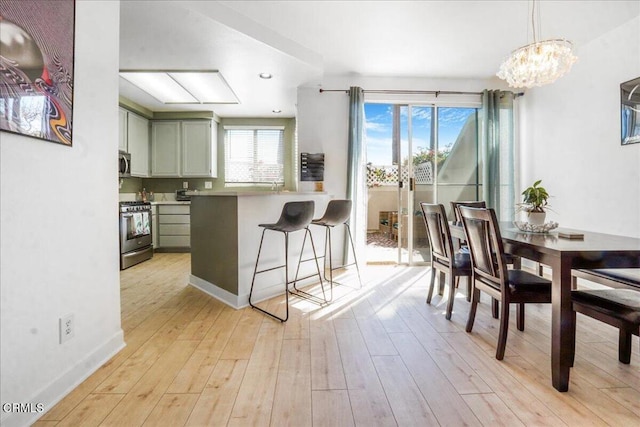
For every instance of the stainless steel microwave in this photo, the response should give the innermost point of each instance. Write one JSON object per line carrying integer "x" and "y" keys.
{"x": 124, "y": 164}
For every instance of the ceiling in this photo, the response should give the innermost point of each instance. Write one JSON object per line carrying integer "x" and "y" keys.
{"x": 303, "y": 42}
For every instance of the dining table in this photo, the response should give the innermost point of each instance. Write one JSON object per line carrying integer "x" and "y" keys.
{"x": 590, "y": 250}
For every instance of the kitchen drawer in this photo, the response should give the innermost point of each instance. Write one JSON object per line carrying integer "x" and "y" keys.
{"x": 174, "y": 219}
{"x": 174, "y": 209}
{"x": 175, "y": 230}
{"x": 175, "y": 241}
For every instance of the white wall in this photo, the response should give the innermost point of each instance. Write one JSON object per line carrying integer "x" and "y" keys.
{"x": 59, "y": 246}
{"x": 571, "y": 138}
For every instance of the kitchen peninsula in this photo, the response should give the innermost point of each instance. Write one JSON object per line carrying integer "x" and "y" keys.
{"x": 225, "y": 237}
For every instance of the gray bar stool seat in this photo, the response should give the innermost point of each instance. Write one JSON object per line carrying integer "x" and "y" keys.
{"x": 295, "y": 216}
{"x": 337, "y": 213}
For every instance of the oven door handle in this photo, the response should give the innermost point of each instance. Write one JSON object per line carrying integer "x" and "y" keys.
{"x": 130, "y": 215}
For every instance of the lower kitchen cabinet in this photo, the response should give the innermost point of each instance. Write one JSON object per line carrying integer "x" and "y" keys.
{"x": 154, "y": 225}
{"x": 174, "y": 228}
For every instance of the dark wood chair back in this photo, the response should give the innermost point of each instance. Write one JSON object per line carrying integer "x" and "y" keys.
{"x": 471, "y": 204}
{"x": 438, "y": 233}
{"x": 485, "y": 245}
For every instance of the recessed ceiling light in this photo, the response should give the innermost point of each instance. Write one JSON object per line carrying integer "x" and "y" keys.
{"x": 277, "y": 111}
{"x": 265, "y": 76}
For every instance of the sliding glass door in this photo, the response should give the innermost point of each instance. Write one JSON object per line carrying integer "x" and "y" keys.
{"x": 416, "y": 153}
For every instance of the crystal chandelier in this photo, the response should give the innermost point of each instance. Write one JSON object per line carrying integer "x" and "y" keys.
{"x": 538, "y": 63}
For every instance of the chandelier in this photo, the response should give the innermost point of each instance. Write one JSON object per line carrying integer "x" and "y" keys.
{"x": 538, "y": 63}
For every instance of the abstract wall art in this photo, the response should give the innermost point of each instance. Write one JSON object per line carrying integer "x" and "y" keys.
{"x": 630, "y": 111}
{"x": 36, "y": 68}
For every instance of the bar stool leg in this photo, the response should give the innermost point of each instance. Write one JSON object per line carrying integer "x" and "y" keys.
{"x": 295, "y": 282}
{"x": 255, "y": 270}
{"x": 300, "y": 292}
{"x": 315, "y": 257}
{"x": 328, "y": 241}
{"x": 353, "y": 249}
{"x": 331, "y": 268}
{"x": 286, "y": 275}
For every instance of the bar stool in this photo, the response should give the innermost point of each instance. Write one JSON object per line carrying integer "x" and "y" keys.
{"x": 295, "y": 216}
{"x": 338, "y": 212}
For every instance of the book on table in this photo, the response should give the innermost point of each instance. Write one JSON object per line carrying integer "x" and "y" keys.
{"x": 570, "y": 235}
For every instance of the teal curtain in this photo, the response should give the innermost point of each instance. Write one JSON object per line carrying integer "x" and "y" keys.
{"x": 356, "y": 172}
{"x": 497, "y": 141}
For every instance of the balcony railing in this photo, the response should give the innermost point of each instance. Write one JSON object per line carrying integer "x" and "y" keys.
{"x": 383, "y": 175}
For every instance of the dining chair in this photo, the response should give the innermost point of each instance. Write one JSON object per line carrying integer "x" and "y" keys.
{"x": 490, "y": 273}
{"x": 443, "y": 258}
{"x": 463, "y": 243}
{"x": 616, "y": 307}
{"x": 511, "y": 259}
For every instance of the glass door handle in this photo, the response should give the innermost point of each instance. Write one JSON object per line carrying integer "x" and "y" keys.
{"x": 412, "y": 184}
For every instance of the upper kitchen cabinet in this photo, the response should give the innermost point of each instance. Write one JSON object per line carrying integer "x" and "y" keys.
{"x": 185, "y": 148}
{"x": 197, "y": 148}
{"x": 133, "y": 138}
{"x": 138, "y": 142}
{"x": 122, "y": 128}
{"x": 165, "y": 149}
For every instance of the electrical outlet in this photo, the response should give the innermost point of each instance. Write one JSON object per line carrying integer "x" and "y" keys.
{"x": 67, "y": 328}
{"x": 208, "y": 185}
{"x": 185, "y": 185}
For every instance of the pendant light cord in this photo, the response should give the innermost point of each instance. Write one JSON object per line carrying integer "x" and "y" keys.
{"x": 533, "y": 21}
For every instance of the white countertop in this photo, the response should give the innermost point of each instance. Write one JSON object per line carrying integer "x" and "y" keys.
{"x": 253, "y": 193}
{"x": 170, "y": 202}
{"x": 158, "y": 199}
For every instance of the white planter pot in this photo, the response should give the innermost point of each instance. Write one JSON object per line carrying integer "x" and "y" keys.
{"x": 535, "y": 218}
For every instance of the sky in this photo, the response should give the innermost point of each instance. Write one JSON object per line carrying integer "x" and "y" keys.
{"x": 379, "y": 125}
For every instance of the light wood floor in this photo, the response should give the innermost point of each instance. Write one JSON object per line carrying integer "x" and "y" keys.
{"x": 376, "y": 356}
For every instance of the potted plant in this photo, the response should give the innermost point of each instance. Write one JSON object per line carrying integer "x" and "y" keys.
{"x": 534, "y": 202}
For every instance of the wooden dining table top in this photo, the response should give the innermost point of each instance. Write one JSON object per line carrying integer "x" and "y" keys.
{"x": 588, "y": 247}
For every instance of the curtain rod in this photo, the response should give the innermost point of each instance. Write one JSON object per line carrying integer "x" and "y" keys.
{"x": 408, "y": 92}
{"x": 416, "y": 92}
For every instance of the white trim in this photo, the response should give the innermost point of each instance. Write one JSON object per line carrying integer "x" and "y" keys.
{"x": 420, "y": 99}
{"x": 67, "y": 382}
{"x": 241, "y": 301}
{"x": 252, "y": 127}
{"x": 217, "y": 292}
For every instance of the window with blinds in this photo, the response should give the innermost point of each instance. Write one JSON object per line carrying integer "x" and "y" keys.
{"x": 254, "y": 155}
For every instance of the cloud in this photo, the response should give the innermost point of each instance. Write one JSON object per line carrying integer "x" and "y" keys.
{"x": 423, "y": 113}
{"x": 371, "y": 126}
{"x": 449, "y": 116}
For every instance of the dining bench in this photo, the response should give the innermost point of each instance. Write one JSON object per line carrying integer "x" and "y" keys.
{"x": 613, "y": 277}
{"x": 619, "y": 307}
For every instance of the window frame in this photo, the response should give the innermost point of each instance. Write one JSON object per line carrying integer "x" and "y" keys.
{"x": 255, "y": 129}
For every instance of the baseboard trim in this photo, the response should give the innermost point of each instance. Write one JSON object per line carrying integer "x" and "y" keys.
{"x": 236, "y": 301}
{"x": 65, "y": 383}
{"x": 217, "y": 292}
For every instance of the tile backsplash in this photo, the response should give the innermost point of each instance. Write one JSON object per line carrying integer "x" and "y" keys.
{"x": 130, "y": 185}
{"x": 162, "y": 185}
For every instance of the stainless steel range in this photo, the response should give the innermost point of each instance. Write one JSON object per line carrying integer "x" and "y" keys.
{"x": 136, "y": 242}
